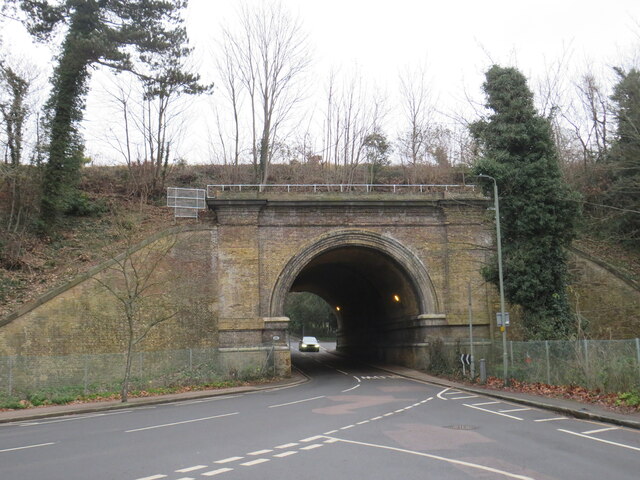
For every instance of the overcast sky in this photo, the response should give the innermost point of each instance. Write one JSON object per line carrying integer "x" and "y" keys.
{"x": 456, "y": 39}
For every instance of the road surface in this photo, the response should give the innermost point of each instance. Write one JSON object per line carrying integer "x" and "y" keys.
{"x": 349, "y": 421}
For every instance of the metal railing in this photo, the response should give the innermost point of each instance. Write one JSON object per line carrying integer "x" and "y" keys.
{"x": 606, "y": 365}
{"x": 22, "y": 376}
{"x": 336, "y": 187}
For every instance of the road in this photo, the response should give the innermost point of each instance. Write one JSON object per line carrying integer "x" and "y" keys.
{"x": 349, "y": 421}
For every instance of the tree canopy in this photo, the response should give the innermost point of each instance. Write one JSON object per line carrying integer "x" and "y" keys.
{"x": 624, "y": 158}
{"x": 538, "y": 210}
{"x": 113, "y": 33}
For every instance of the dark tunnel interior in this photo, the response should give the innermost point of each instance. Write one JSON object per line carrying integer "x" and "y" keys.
{"x": 367, "y": 289}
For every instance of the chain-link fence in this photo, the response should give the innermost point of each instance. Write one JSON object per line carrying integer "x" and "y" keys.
{"x": 75, "y": 375}
{"x": 607, "y": 365}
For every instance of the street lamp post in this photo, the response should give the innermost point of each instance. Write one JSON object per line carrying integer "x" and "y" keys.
{"x": 503, "y": 327}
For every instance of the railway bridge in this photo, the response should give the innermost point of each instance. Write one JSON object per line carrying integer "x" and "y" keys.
{"x": 399, "y": 265}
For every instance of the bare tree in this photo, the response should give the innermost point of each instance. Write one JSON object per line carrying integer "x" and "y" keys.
{"x": 153, "y": 122}
{"x": 417, "y": 116}
{"x": 353, "y": 113}
{"x": 134, "y": 281}
{"x": 270, "y": 54}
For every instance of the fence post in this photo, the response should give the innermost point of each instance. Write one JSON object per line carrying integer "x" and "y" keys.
{"x": 511, "y": 351}
{"x": 140, "y": 365}
{"x": 86, "y": 373}
{"x": 190, "y": 359}
{"x": 483, "y": 371}
{"x": 546, "y": 352}
{"x": 586, "y": 361}
{"x": 638, "y": 353}
{"x": 10, "y": 375}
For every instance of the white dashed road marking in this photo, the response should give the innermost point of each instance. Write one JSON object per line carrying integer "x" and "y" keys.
{"x": 554, "y": 419}
{"x": 286, "y": 454}
{"x": 181, "y": 423}
{"x": 217, "y": 472}
{"x": 601, "y": 430}
{"x": 312, "y": 446}
{"x": 297, "y": 401}
{"x": 26, "y": 447}
{"x": 191, "y": 469}
{"x": 287, "y": 445}
{"x": 260, "y": 452}
{"x": 228, "y": 460}
{"x": 255, "y": 462}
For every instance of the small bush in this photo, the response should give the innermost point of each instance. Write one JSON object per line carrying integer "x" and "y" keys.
{"x": 630, "y": 399}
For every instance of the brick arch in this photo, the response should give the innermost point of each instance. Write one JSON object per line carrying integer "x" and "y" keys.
{"x": 407, "y": 260}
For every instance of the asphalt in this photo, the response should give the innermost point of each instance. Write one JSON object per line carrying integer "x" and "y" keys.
{"x": 559, "y": 405}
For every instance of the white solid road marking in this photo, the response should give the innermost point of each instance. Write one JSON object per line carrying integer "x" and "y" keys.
{"x": 26, "y": 447}
{"x": 217, "y": 472}
{"x": 554, "y": 419}
{"x": 311, "y": 439}
{"x": 152, "y": 477}
{"x": 444, "y": 392}
{"x": 181, "y": 423}
{"x": 312, "y": 446}
{"x": 297, "y": 401}
{"x": 444, "y": 459}
{"x": 260, "y": 452}
{"x": 349, "y": 389}
{"x": 464, "y": 397}
{"x": 600, "y": 430}
{"x": 286, "y": 454}
{"x": 491, "y": 411}
{"x": 287, "y": 445}
{"x": 486, "y": 403}
{"x": 255, "y": 462}
{"x": 524, "y": 409}
{"x": 227, "y": 460}
{"x": 600, "y": 440}
{"x": 191, "y": 469}
{"x": 72, "y": 418}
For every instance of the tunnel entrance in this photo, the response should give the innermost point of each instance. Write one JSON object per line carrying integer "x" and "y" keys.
{"x": 373, "y": 283}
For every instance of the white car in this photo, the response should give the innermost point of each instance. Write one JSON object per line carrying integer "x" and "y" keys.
{"x": 309, "y": 344}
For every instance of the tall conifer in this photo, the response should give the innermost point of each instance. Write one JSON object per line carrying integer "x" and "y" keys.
{"x": 538, "y": 211}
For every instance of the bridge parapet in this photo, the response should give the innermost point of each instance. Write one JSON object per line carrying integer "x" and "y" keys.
{"x": 316, "y": 189}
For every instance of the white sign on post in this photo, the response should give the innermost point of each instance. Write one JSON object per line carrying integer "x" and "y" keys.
{"x": 499, "y": 319}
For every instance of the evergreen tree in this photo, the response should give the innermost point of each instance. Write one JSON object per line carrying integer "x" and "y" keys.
{"x": 538, "y": 211}
{"x": 624, "y": 159}
{"x": 111, "y": 33}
